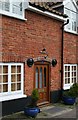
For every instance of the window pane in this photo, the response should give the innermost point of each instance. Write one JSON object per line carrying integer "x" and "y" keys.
{"x": 0, "y": 88}
{"x": 66, "y": 81}
{"x": 74, "y": 73}
{"x": 13, "y": 87}
{"x": 13, "y": 78}
{"x": 19, "y": 86}
{"x": 18, "y": 69}
{"x": 5, "y": 78}
{"x": 74, "y": 68}
{"x": 1, "y": 79}
{"x": 74, "y": 80}
{"x": 4, "y": 5}
{"x": 5, "y": 69}
{"x": 17, "y": 8}
{"x": 44, "y": 77}
{"x": 19, "y": 77}
{"x": 36, "y": 78}
{"x": 41, "y": 77}
{"x": 13, "y": 69}
{"x": 68, "y": 74}
{"x": 0, "y": 69}
{"x": 68, "y": 68}
{"x": 65, "y": 68}
{"x": 5, "y": 88}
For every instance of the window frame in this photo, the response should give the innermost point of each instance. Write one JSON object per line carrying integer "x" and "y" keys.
{"x": 10, "y": 12}
{"x": 13, "y": 94}
{"x": 68, "y": 85}
{"x": 72, "y": 25}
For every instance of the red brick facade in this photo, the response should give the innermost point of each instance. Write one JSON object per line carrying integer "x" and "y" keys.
{"x": 25, "y": 39}
{"x": 70, "y": 48}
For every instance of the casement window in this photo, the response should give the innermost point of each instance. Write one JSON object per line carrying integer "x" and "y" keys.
{"x": 11, "y": 80}
{"x": 72, "y": 25}
{"x": 70, "y": 75}
{"x": 13, "y": 8}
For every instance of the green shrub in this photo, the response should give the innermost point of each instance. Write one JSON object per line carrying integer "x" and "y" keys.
{"x": 73, "y": 91}
{"x": 35, "y": 94}
{"x": 34, "y": 97}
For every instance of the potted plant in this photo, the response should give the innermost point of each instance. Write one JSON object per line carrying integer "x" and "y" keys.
{"x": 32, "y": 109}
{"x": 69, "y": 97}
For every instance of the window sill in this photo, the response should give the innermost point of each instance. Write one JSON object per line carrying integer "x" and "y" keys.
{"x": 12, "y": 15}
{"x": 70, "y": 31}
{"x": 11, "y": 97}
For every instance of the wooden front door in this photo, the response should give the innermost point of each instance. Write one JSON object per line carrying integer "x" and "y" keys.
{"x": 42, "y": 81}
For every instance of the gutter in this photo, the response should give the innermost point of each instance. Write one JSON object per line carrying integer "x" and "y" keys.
{"x": 62, "y": 54}
{"x": 46, "y": 13}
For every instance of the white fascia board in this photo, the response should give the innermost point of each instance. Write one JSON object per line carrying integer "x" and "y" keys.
{"x": 46, "y": 13}
{"x": 56, "y": 6}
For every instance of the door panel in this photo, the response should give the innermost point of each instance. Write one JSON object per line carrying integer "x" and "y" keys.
{"x": 42, "y": 81}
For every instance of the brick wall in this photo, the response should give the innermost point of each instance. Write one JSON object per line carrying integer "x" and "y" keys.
{"x": 70, "y": 48}
{"x": 24, "y": 39}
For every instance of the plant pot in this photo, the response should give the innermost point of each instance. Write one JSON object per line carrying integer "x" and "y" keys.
{"x": 32, "y": 112}
{"x": 68, "y": 100}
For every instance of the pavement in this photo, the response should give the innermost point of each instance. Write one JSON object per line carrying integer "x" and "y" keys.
{"x": 52, "y": 111}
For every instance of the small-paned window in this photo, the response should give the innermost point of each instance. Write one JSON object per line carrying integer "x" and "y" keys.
{"x": 13, "y": 8}
{"x": 70, "y": 75}
{"x": 11, "y": 78}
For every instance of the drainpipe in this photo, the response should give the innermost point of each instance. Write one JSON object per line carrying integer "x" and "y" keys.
{"x": 62, "y": 52}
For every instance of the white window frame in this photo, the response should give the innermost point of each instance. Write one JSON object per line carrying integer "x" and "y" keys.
{"x": 13, "y": 94}
{"x": 71, "y": 21}
{"x": 67, "y": 86}
{"x": 10, "y": 12}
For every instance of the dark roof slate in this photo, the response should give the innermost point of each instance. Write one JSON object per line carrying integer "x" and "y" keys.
{"x": 47, "y": 6}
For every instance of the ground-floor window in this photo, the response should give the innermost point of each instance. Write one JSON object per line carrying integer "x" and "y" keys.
{"x": 70, "y": 75}
{"x": 11, "y": 80}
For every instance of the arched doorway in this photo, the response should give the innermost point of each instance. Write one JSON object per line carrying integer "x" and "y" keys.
{"x": 41, "y": 80}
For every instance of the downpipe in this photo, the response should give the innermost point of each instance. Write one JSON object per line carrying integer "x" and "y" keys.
{"x": 62, "y": 54}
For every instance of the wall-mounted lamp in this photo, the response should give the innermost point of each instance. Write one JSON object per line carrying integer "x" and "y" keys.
{"x": 30, "y": 62}
{"x": 54, "y": 62}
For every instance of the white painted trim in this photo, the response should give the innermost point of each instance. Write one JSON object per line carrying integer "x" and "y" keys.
{"x": 2, "y": 12}
{"x": 11, "y": 97}
{"x": 46, "y": 13}
{"x": 70, "y": 31}
{"x": 56, "y": 6}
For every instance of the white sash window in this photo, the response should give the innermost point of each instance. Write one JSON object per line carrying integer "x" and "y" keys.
{"x": 73, "y": 23}
{"x": 11, "y": 81}
{"x": 70, "y": 75}
{"x": 13, "y": 8}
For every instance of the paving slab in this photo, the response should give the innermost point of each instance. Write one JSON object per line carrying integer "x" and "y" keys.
{"x": 52, "y": 111}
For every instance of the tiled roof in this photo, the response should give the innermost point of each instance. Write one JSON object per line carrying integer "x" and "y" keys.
{"x": 47, "y": 6}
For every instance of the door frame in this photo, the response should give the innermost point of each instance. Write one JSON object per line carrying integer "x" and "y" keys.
{"x": 49, "y": 75}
